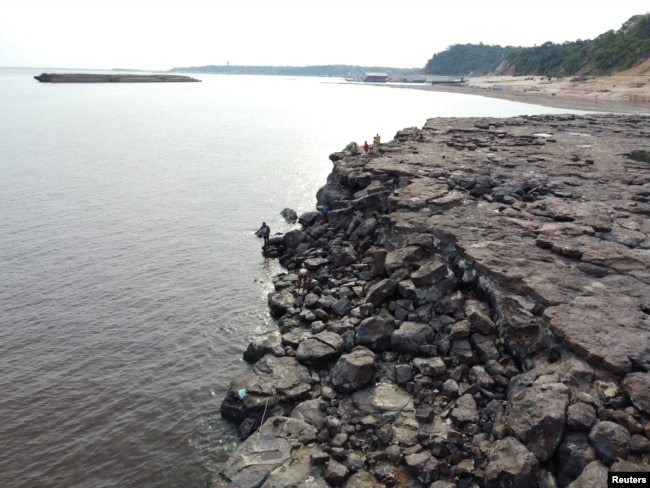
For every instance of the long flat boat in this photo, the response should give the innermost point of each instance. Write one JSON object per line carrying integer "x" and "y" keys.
{"x": 111, "y": 78}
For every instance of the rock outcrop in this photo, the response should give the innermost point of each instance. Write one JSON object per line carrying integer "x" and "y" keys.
{"x": 478, "y": 315}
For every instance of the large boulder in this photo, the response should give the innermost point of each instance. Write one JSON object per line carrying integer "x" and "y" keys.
{"x": 465, "y": 410}
{"x": 262, "y": 455}
{"x": 611, "y": 441}
{"x": 289, "y": 215}
{"x": 637, "y": 386}
{"x": 404, "y": 257}
{"x": 319, "y": 348}
{"x": 354, "y": 370}
{"x": 271, "y": 381}
{"x": 573, "y": 455}
{"x": 294, "y": 238}
{"x": 380, "y": 291}
{"x": 385, "y": 398}
{"x": 429, "y": 272}
{"x": 593, "y": 476}
{"x": 375, "y": 332}
{"x": 537, "y": 416}
{"x": 279, "y": 302}
{"x": 511, "y": 464}
{"x": 410, "y": 336}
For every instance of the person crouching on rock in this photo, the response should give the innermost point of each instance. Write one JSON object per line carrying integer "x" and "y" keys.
{"x": 303, "y": 279}
{"x": 324, "y": 219}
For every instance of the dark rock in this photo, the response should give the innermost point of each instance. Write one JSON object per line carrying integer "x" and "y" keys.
{"x": 289, "y": 215}
{"x": 637, "y": 386}
{"x": 573, "y": 455}
{"x": 279, "y": 302}
{"x": 465, "y": 410}
{"x": 375, "y": 332}
{"x": 594, "y": 475}
{"x": 581, "y": 416}
{"x": 429, "y": 272}
{"x": 430, "y": 366}
{"x": 410, "y": 336}
{"x": 511, "y": 464}
{"x": 354, "y": 370}
{"x": 379, "y": 292}
{"x": 294, "y": 238}
{"x": 537, "y": 416}
{"x": 254, "y": 460}
{"x": 610, "y": 441}
{"x": 336, "y": 473}
{"x": 319, "y": 348}
{"x": 424, "y": 465}
{"x": 361, "y": 479}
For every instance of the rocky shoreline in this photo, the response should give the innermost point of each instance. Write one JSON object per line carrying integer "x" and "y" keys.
{"x": 478, "y": 315}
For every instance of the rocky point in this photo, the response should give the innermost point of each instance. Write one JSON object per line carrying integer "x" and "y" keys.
{"x": 478, "y": 315}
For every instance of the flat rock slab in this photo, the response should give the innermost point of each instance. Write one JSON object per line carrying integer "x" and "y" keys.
{"x": 552, "y": 207}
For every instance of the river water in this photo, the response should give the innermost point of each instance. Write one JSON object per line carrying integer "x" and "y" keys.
{"x": 130, "y": 278}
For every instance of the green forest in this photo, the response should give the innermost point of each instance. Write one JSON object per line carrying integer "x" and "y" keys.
{"x": 610, "y": 52}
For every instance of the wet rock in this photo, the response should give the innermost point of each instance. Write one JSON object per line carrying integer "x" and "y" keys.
{"x": 267, "y": 343}
{"x": 289, "y": 215}
{"x": 319, "y": 348}
{"x": 279, "y": 302}
{"x": 257, "y": 457}
{"x": 270, "y": 381}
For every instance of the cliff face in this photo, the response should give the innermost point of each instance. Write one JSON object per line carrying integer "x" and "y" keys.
{"x": 478, "y": 314}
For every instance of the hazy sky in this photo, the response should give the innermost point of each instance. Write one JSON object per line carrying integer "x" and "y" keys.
{"x": 163, "y": 34}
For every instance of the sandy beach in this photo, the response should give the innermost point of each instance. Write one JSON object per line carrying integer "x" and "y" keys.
{"x": 625, "y": 92}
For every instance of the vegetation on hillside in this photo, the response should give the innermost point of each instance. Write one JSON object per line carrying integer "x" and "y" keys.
{"x": 467, "y": 59}
{"x": 610, "y": 52}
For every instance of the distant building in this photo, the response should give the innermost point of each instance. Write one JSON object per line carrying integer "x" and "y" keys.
{"x": 376, "y": 77}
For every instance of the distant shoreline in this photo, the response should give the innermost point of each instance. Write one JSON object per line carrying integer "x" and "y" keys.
{"x": 613, "y": 94}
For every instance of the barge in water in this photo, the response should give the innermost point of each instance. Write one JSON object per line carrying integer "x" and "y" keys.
{"x": 111, "y": 78}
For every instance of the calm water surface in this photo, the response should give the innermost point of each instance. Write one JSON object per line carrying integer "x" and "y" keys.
{"x": 130, "y": 279}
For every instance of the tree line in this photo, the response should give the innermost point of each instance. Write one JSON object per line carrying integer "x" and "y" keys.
{"x": 610, "y": 52}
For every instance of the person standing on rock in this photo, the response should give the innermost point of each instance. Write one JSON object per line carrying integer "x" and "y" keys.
{"x": 366, "y": 149}
{"x": 265, "y": 232}
{"x": 375, "y": 144}
{"x": 303, "y": 279}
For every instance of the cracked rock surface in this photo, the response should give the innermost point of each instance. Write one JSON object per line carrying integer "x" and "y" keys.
{"x": 478, "y": 314}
